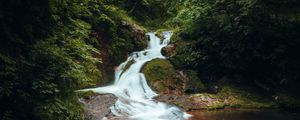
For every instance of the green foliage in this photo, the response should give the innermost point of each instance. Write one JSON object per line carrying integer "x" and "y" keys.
{"x": 45, "y": 56}
{"x": 119, "y": 47}
{"x": 48, "y": 50}
{"x": 71, "y": 59}
{"x": 151, "y": 13}
{"x": 193, "y": 84}
{"x": 258, "y": 39}
{"x": 184, "y": 56}
{"x": 61, "y": 109}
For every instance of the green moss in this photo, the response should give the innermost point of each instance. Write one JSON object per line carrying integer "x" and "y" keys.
{"x": 158, "y": 69}
{"x": 161, "y": 75}
{"x": 232, "y": 97}
{"x": 216, "y": 105}
{"x": 86, "y": 95}
{"x": 239, "y": 98}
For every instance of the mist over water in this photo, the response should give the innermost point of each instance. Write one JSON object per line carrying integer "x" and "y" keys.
{"x": 135, "y": 97}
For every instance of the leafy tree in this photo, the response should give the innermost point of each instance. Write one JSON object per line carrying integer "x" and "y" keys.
{"x": 44, "y": 58}
{"x": 258, "y": 39}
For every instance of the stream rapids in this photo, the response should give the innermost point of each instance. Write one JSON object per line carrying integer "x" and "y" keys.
{"x": 135, "y": 97}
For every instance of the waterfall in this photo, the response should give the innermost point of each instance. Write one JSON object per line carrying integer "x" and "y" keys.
{"x": 135, "y": 97}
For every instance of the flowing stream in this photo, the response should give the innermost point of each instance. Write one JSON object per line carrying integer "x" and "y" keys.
{"x": 135, "y": 97}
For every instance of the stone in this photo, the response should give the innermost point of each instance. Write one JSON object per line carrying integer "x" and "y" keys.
{"x": 98, "y": 106}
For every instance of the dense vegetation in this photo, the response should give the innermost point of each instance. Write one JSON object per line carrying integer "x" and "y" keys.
{"x": 257, "y": 40}
{"x": 44, "y": 58}
{"x": 50, "y": 48}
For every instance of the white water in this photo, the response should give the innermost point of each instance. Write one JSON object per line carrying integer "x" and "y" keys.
{"x": 135, "y": 97}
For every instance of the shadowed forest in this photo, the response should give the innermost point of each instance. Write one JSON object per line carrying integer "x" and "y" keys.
{"x": 236, "y": 54}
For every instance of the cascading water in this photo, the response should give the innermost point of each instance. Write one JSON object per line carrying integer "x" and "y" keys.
{"x": 135, "y": 97}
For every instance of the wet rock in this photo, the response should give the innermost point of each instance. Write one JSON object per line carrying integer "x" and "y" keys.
{"x": 138, "y": 32}
{"x": 180, "y": 101}
{"x": 110, "y": 116}
{"x": 228, "y": 97}
{"x": 192, "y": 102}
{"x": 168, "y": 50}
{"x": 98, "y": 106}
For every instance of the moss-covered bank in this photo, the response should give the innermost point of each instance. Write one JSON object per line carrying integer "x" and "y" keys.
{"x": 228, "y": 97}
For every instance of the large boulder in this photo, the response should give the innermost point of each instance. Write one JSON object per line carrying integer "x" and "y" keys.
{"x": 162, "y": 77}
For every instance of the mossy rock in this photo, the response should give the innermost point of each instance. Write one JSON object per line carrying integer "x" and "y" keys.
{"x": 193, "y": 84}
{"x": 162, "y": 76}
{"x": 236, "y": 97}
{"x": 86, "y": 95}
{"x": 228, "y": 97}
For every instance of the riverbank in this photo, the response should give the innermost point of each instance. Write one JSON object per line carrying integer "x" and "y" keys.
{"x": 227, "y": 97}
{"x": 244, "y": 114}
{"x": 208, "y": 107}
